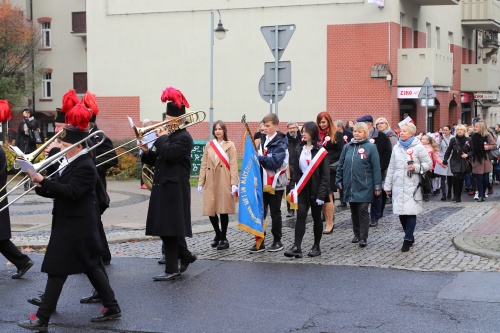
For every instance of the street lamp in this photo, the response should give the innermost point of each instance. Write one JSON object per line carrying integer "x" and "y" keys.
{"x": 220, "y": 33}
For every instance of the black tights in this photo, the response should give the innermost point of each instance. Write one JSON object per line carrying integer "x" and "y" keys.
{"x": 300, "y": 225}
{"x": 458, "y": 184}
{"x": 446, "y": 180}
{"x": 224, "y": 221}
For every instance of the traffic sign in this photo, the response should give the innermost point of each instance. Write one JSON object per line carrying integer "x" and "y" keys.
{"x": 285, "y": 33}
{"x": 427, "y": 90}
{"x": 284, "y": 75}
{"x": 268, "y": 96}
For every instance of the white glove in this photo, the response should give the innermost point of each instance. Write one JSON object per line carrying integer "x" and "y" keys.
{"x": 234, "y": 189}
{"x": 320, "y": 202}
{"x": 200, "y": 189}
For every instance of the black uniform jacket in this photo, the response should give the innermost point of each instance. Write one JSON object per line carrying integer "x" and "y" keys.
{"x": 4, "y": 215}
{"x": 74, "y": 245}
{"x": 169, "y": 212}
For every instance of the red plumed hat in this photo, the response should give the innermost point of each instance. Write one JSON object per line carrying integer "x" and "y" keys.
{"x": 79, "y": 116}
{"x": 69, "y": 100}
{"x": 170, "y": 94}
{"x": 91, "y": 103}
{"x": 5, "y": 112}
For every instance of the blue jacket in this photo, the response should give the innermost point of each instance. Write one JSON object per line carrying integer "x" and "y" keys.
{"x": 358, "y": 177}
{"x": 276, "y": 154}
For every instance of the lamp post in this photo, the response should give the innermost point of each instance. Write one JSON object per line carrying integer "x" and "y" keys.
{"x": 220, "y": 33}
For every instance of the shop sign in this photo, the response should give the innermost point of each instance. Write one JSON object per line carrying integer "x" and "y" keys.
{"x": 408, "y": 92}
{"x": 485, "y": 96}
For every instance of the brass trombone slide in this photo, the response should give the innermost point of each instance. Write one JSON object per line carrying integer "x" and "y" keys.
{"x": 29, "y": 157}
{"x": 188, "y": 119}
{"x": 42, "y": 165}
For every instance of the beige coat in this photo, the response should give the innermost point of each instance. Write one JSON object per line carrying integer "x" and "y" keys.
{"x": 216, "y": 180}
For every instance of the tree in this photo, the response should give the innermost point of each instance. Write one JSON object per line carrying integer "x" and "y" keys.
{"x": 20, "y": 59}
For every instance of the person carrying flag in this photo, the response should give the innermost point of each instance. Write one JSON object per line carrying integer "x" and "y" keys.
{"x": 309, "y": 169}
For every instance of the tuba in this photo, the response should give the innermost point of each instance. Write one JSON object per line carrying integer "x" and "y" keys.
{"x": 147, "y": 174}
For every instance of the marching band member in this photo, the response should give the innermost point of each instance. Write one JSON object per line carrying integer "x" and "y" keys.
{"x": 169, "y": 212}
{"x": 309, "y": 169}
{"x": 218, "y": 182}
{"x": 74, "y": 245}
{"x": 273, "y": 159}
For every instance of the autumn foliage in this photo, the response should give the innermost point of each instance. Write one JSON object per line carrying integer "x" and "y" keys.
{"x": 20, "y": 61}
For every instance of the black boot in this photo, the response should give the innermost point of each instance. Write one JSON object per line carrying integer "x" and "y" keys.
{"x": 406, "y": 246}
{"x": 443, "y": 198}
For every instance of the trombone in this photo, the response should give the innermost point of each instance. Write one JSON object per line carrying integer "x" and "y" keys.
{"x": 30, "y": 158}
{"x": 42, "y": 165}
{"x": 188, "y": 119}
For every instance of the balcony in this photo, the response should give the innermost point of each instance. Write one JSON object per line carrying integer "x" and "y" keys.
{"x": 79, "y": 24}
{"x": 436, "y": 2}
{"x": 480, "y": 77}
{"x": 481, "y": 14}
{"x": 414, "y": 65}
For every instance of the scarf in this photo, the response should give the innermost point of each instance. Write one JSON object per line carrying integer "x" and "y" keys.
{"x": 406, "y": 143}
{"x": 323, "y": 133}
{"x": 353, "y": 140}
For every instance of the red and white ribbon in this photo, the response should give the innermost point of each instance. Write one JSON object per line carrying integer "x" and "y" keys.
{"x": 409, "y": 151}
{"x": 361, "y": 151}
{"x": 345, "y": 139}
{"x": 372, "y": 140}
{"x": 327, "y": 138}
{"x": 219, "y": 152}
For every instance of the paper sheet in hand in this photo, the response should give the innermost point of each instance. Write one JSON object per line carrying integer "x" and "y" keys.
{"x": 25, "y": 166}
{"x": 17, "y": 151}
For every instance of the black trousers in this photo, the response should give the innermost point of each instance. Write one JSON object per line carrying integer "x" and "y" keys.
{"x": 360, "y": 219}
{"x": 13, "y": 254}
{"x": 175, "y": 249}
{"x": 300, "y": 225}
{"x": 274, "y": 203}
{"x": 55, "y": 284}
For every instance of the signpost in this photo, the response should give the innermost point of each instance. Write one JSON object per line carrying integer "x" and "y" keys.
{"x": 427, "y": 92}
{"x": 277, "y": 37}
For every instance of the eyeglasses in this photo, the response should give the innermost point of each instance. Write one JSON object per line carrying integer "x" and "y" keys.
{"x": 381, "y": 123}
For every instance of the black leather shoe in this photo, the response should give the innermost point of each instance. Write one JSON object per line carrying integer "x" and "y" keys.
{"x": 374, "y": 223}
{"x": 290, "y": 213}
{"x": 167, "y": 276}
{"x": 355, "y": 239}
{"x": 34, "y": 325}
{"x": 36, "y": 301}
{"x": 223, "y": 245}
{"x": 294, "y": 252}
{"x": 215, "y": 242}
{"x": 362, "y": 242}
{"x": 406, "y": 246}
{"x": 314, "y": 251}
{"x": 22, "y": 271}
{"x": 185, "y": 264}
{"x": 107, "y": 314}
{"x": 94, "y": 298}
{"x": 162, "y": 260}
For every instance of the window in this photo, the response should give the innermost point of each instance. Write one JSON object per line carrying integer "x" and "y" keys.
{"x": 438, "y": 38}
{"x": 47, "y": 86}
{"x": 401, "y": 32}
{"x": 415, "y": 33}
{"x": 450, "y": 41}
{"x": 80, "y": 82}
{"x": 428, "y": 31}
{"x": 46, "y": 35}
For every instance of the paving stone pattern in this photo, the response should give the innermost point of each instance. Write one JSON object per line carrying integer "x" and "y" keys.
{"x": 433, "y": 249}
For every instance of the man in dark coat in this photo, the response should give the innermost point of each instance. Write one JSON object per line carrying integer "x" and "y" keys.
{"x": 384, "y": 148}
{"x": 294, "y": 139}
{"x": 169, "y": 212}
{"x": 23, "y": 138}
{"x": 7, "y": 248}
{"x": 75, "y": 245}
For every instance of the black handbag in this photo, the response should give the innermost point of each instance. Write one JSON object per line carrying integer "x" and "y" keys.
{"x": 35, "y": 136}
{"x": 425, "y": 182}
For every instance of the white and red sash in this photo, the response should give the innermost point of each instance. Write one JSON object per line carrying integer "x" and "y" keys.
{"x": 293, "y": 196}
{"x": 269, "y": 177}
{"x": 220, "y": 152}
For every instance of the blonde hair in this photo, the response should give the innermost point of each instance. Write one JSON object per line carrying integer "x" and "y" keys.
{"x": 411, "y": 127}
{"x": 362, "y": 126}
{"x": 383, "y": 120}
{"x": 432, "y": 142}
{"x": 462, "y": 127}
{"x": 483, "y": 129}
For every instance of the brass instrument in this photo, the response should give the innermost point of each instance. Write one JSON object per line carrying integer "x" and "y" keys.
{"x": 147, "y": 174}
{"x": 29, "y": 157}
{"x": 188, "y": 119}
{"x": 44, "y": 164}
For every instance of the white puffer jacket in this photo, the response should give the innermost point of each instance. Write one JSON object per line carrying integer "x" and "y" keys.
{"x": 403, "y": 186}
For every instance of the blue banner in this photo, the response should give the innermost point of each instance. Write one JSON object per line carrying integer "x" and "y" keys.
{"x": 251, "y": 205}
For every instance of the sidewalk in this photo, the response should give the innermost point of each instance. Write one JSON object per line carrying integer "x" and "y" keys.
{"x": 476, "y": 225}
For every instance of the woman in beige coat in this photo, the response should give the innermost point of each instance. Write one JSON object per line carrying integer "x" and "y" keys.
{"x": 219, "y": 182}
